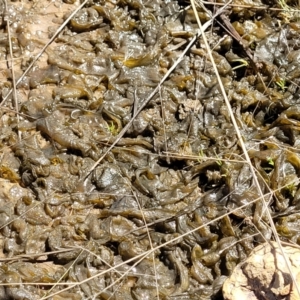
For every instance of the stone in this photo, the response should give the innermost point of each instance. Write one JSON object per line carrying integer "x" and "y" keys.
{"x": 264, "y": 275}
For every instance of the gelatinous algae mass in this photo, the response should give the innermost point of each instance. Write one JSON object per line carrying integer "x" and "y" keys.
{"x": 179, "y": 168}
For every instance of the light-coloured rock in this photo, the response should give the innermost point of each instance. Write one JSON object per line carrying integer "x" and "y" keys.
{"x": 264, "y": 275}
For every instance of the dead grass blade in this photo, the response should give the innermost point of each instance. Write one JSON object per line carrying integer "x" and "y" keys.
{"x": 243, "y": 146}
{"x": 135, "y": 260}
{"x": 156, "y": 90}
{"x": 15, "y": 96}
{"x": 66, "y": 272}
{"x": 43, "y": 50}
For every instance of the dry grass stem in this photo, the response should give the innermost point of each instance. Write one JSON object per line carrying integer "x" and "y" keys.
{"x": 243, "y": 146}
{"x": 36, "y": 58}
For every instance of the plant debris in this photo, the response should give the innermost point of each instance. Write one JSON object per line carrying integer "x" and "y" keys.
{"x": 171, "y": 210}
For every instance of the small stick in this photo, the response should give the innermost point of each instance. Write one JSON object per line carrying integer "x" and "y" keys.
{"x": 15, "y": 96}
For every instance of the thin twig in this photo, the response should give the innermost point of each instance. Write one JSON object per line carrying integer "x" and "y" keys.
{"x": 234, "y": 34}
{"x": 150, "y": 242}
{"x": 63, "y": 275}
{"x": 142, "y": 256}
{"x": 263, "y": 7}
{"x": 15, "y": 96}
{"x": 43, "y": 50}
{"x": 146, "y": 101}
{"x": 243, "y": 146}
